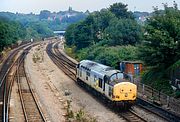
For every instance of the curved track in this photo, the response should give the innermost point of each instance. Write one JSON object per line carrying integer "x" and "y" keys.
{"x": 68, "y": 67}
{"x": 31, "y": 108}
{"x": 15, "y": 72}
{"x": 61, "y": 62}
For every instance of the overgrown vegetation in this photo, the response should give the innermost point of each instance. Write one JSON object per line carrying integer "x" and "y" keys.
{"x": 38, "y": 55}
{"x": 107, "y": 36}
{"x": 10, "y": 32}
{"x": 78, "y": 116}
{"x": 113, "y": 35}
{"x": 108, "y": 55}
{"x": 161, "y": 48}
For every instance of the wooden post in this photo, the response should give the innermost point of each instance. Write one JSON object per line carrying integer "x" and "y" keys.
{"x": 143, "y": 89}
{"x": 168, "y": 101}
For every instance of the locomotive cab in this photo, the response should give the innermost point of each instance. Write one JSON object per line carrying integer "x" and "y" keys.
{"x": 123, "y": 90}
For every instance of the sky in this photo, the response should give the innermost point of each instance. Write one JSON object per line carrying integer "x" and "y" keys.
{"x": 35, "y": 6}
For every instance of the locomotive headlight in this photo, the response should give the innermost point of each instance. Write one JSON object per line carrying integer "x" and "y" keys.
{"x": 121, "y": 90}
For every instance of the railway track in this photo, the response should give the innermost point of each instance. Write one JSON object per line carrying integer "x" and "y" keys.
{"x": 31, "y": 109}
{"x": 166, "y": 115}
{"x": 5, "y": 85}
{"x": 61, "y": 62}
{"x": 131, "y": 116}
{"x": 66, "y": 60}
{"x": 15, "y": 72}
{"x": 66, "y": 65}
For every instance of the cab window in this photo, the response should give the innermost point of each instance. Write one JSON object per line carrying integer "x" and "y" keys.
{"x": 113, "y": 77}
{"x": 110, "y": 91}
{"x": 116, "y": 76}
{"x": 100, "y": 82}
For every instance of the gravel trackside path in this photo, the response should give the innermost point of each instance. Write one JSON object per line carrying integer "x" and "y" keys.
{"x": 52, "y": 86}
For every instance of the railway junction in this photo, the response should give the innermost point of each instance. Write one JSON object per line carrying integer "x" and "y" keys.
{"x": 38, "y": 83}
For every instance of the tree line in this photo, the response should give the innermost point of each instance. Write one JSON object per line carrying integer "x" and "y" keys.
{"x": 160, "y": 49}
{"x": 14, "y": 27}
{"x": 108, "y": 26}
{"x": 112, "y": 35}
{"x": 10, "y": 32}
{"x": 114, "y": 29}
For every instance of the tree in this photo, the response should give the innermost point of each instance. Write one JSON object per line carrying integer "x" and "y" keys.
{"x": 10, "y": 32}
{"x": 82, "y": 36}
{"x": 44, "y": 14}
{"x": 3, "y": 36}
{"x": 161, "y": 48}
{"x": 69, "y": 35}
{"x": 123, "y": 32}
{"x": 106, "y": 27}
{"x": 39, "y": 30}
{"x": 121, "y": 11}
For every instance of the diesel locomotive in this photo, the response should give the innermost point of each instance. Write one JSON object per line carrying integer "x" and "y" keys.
{"x": 106, "y": 81}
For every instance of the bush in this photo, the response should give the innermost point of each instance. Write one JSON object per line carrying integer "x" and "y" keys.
{"x": 108, "y": 55}
{"x": 155, "y": 79}
{"x": 177, "y": 94}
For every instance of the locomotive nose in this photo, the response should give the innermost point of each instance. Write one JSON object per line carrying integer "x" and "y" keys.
{"x": 125, "y": 91}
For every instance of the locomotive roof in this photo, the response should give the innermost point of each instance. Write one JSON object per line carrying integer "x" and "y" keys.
{"x": 96, "y": 67}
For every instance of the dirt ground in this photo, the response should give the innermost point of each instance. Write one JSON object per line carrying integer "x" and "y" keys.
{"x": 54, "y": 88}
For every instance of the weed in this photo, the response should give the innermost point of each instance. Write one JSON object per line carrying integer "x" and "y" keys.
{"x": 70, "y": 113}
{"x": 78, "y": 116}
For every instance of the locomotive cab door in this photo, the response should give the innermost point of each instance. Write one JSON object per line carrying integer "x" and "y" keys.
{"x": 105, "y": 81}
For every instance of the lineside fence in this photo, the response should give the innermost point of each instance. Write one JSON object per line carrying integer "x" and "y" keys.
{"x": 158, "y": 97}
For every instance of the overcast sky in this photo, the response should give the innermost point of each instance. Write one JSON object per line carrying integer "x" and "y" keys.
{"x": 35, "y": 6}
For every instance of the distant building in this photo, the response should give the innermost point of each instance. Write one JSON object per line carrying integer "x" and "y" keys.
{"x": 142, "y": 18}
{"x": 50, "y": 19}
{"x": 87, "y": 12}
{"x": 70, "y": 9}
{"x": 131, "y": 69}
